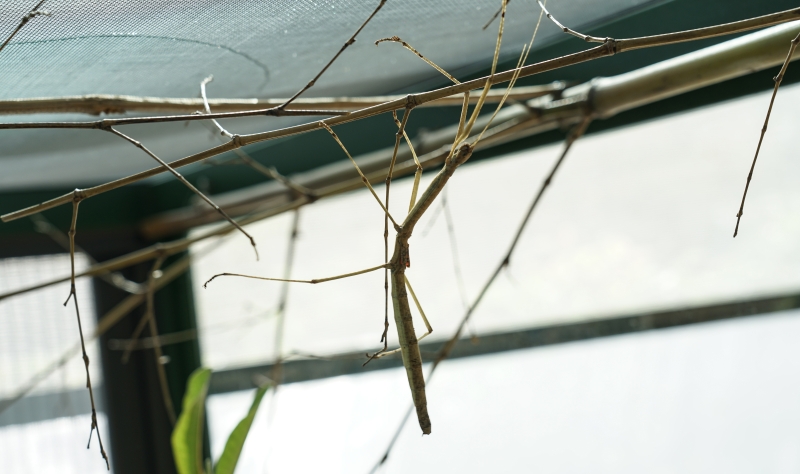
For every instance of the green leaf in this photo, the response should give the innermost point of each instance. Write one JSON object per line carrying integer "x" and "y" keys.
{"x": 233, "y": 447}
{"x": 187, "y": 437}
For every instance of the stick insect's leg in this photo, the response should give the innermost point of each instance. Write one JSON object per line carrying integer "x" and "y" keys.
{"x": 312, "y": 282}
{"x": 424, "y": 320}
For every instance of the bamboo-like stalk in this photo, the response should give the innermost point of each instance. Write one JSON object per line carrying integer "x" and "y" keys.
{"x": 97, "y": 104}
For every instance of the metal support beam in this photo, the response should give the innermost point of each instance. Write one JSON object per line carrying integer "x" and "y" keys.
{"x": 351, "y": 363}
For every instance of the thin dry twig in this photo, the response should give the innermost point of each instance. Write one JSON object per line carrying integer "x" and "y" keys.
{"x": 360, "y": 173}
{"x": 587, "y": 38}
{"x": 78, "y": 197}
{"x": 496, "y": 13}
{"x": 341, "y": 50}
{"x": 270, "y": 172}
{"x": 396, "y": 39}
{"x": 189, "y": 185}
{"x": 778, "y": 79}
{"x": 116, "y": 279}
{"x": 447, "y": 348}
{"x": 25, "y": 19}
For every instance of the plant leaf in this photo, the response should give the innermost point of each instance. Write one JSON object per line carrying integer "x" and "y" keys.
{"x": 233, "y": 447}
{"x": 187, "y": 437}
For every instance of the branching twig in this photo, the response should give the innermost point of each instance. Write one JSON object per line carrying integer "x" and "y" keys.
{"x": 587, "y": 38}
{"x": 778, "y": 79}
{"x": 25, "y": 19}
{"x": 270, "y": 172}
{"x": 78, "y": 197}
{"x": 188, "y": 185}
{"x": 341, "y": 50}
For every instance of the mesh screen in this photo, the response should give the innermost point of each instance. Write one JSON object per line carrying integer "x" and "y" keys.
{"x": 165, "y": 48}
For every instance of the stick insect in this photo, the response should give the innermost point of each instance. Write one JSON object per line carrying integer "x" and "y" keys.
{"x": 396, "y": 266}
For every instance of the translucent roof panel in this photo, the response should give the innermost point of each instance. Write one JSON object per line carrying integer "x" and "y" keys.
{"x": 257, "y": 49}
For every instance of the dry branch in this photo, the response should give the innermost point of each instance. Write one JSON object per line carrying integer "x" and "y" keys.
{"x": 778, "y": 79}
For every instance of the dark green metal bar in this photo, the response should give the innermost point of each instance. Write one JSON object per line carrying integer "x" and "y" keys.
{"x": 351, "y": 363}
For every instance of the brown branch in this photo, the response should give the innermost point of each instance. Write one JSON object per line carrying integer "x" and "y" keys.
{"x": 778, "y": 79}
{"x": 587, "y": 38}
{"x": 25, "y": 19}
{"x": 73, "y": 294}
{"x": 341, "y": 50}
{"x": 189, "y": 185}
{"x": 496, "y": 13}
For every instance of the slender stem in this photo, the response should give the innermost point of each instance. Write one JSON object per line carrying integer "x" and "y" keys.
{"x": 188, "y": 185}
{"x": 778, "y": 79}
{"x": 25, "y": 19}
{"x": 78, "y": 197}
{"x": 341, "y": 50}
